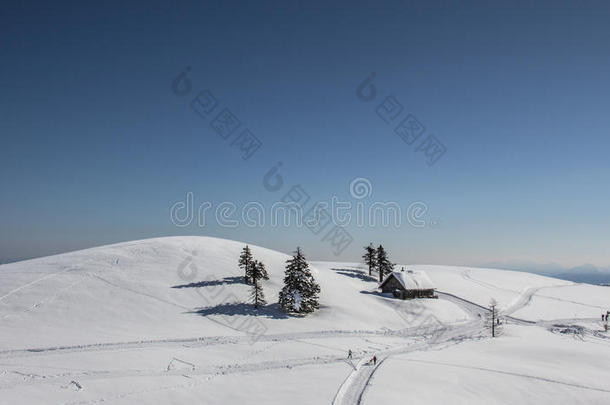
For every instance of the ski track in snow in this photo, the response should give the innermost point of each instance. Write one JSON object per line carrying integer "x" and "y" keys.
{"x": 199, "y": 341}
{"x": 490, "y": 370}
{"x": 209, "y": 371}
{"x": 352, "y": 390}
{"x": 31, "y": 283}
{"x": 525, "y": 298}
{"x": 354, "y": 387}
{"x": 466, "y": 275}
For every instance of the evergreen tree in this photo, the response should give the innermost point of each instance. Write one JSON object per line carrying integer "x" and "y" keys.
{"x": 300, "y": 291}
{"x": 370, "y": 257}
{"x": 383, "y": 263}
{"x": 262, "y": 272}
{"x": 257, "y": 295}
{"x": 245, "y": 263}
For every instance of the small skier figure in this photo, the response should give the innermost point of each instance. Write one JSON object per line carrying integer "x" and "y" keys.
{"x": 374, "y": 360}
{"x": 349, "y": 354}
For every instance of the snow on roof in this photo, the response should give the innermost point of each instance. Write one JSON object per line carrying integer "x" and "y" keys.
{"x": 412, "y": 280}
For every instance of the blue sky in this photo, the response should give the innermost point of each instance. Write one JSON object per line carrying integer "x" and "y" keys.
{"x": 96, "y": 147}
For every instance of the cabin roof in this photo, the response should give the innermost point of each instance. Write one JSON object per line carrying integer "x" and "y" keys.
{"x": 411, "y": 280}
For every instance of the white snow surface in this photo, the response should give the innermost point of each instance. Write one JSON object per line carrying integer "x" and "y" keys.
{"x": 166, "y": 320}
{"x": 413, "y": 280}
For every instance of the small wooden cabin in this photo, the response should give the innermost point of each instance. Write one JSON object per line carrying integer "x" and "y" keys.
{"x": 408, "y": 284}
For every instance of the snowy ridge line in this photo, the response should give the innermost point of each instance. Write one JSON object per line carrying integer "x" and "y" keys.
{"x": 205, "y": 340}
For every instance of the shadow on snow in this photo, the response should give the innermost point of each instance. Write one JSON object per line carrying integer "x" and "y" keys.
{"x": 359, "y": 274}
{"x": 213, "y": 283}
{"x": 272, "y": 311}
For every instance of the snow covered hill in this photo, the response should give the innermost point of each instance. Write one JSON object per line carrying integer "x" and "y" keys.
{"x": 160, "y": 289}
{"x": 166, "y": 320}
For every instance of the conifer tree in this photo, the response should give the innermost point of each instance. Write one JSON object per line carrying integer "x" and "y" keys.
{"x": 257, "y": 295}
{"x": 383, "y": 263}
{"x": 262, "y": 272}
{"x": 300, "y": 291}
{"x": 370, "y": 257}
{"x": 245, "y": 263}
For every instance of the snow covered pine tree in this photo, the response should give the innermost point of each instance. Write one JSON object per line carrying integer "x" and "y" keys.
{"x": 383, "y": 263}
{"x": 300, "y": 291}
{"x": 245, "y": 263}
{"x": 370, "y": 257}
{"x": 258, "y": 273}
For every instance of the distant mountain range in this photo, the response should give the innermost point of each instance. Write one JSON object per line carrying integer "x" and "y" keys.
{"x": 586, "y": 273}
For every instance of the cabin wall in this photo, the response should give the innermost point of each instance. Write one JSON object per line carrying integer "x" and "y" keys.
{"x": 419, "y": 294}
{"x": 391, "y": 285}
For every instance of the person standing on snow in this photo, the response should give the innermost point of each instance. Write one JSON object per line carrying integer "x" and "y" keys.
{"x": 374, "y": 360}
{"x": 349, "y": 354}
